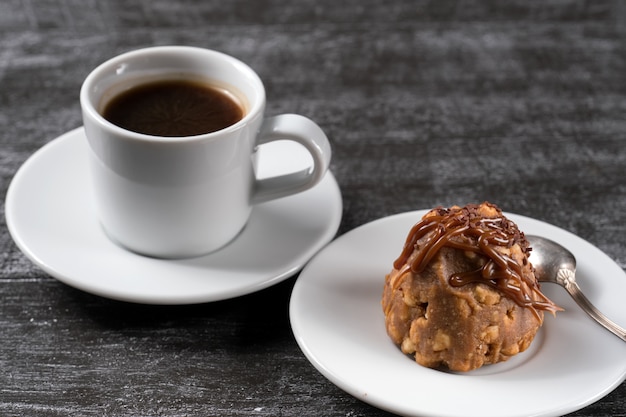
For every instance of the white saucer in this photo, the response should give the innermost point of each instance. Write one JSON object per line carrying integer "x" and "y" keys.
{"x": 337, "y": 320}
{"x": 49, "y": 215}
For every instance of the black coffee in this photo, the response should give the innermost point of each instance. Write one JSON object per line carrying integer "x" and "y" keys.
{"x": 174, "y": 108}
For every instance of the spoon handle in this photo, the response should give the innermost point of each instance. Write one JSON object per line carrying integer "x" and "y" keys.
{"x": 574, "y": 290}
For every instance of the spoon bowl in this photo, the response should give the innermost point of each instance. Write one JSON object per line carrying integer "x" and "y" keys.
{"x": 554, "y": 263}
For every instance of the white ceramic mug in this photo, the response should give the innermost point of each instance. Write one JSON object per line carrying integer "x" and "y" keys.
{"x": 175, "y": 197}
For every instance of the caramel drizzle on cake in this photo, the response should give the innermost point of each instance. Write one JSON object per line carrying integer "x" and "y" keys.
{"x": 469, "y": 230}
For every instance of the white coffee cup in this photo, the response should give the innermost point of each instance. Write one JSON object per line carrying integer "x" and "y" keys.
{"x": 176, "y": 197}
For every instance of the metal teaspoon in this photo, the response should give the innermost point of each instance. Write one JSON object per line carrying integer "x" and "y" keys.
{"x": 554, "y": 263}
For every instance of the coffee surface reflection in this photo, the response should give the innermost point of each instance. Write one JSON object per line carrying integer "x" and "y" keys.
{"x": 174, "y": 108}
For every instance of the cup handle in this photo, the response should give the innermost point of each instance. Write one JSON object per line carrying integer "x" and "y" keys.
{"x": 305, "y": 132}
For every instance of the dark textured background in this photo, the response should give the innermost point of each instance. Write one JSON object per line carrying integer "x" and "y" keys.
{"x": 425, "y": 103}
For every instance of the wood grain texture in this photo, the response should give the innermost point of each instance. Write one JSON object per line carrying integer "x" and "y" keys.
{"x": 425, "y": 103}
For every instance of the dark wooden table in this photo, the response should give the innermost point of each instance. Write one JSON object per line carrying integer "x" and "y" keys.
{"x": 425, "y": 103}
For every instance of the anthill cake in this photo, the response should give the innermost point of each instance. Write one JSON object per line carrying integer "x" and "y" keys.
{"x": 462, "y": 294}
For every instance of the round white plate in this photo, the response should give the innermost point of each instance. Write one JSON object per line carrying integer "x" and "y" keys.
{"x": 50, "y": 216}
{"x": 337, "y": 320}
